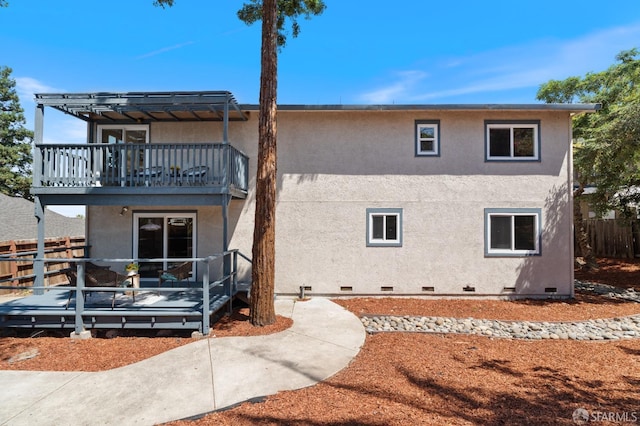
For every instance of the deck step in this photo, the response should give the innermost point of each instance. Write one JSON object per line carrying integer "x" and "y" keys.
{"x": 243, "y": 291}
{"x": 243, "y": 286}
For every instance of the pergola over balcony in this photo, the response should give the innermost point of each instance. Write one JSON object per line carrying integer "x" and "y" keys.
{"x": 149, "y": 173}
{"x": 137, "y": 107}
{"x": 141, "y": 173}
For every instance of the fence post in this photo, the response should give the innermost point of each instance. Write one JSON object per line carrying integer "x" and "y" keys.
{"x": 13, "y": 266}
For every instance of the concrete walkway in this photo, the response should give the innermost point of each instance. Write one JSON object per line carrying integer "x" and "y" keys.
{"x": 197, "y": 378}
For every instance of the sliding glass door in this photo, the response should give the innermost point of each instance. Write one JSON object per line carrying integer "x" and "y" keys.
{"x": 163, "y": 235}
{"x": 116, "y": 165}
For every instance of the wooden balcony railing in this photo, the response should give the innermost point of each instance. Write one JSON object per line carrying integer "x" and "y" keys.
{"x": 96, "y": 165}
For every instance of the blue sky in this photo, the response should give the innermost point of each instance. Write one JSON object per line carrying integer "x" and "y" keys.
{"x": 357, "y": 52}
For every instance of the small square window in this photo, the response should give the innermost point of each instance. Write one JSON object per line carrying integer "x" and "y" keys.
{"x": 428, "y": 138}
{"x": 512, "y": 232}
{"x": 517, "y": 141}
{"x": 384, "y": 227}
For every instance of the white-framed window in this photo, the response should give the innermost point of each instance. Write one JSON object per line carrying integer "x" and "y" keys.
{"x": 113, "y": 161}
{"x": 428, "y": 138}
{"x": 512, "y": 141}
{"x": 512, "y": 232}
{"x": 384, "y": 227}
{"x": 123, "y": 133}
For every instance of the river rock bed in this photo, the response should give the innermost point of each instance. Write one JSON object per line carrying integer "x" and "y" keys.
{"x": 596, "y": 329}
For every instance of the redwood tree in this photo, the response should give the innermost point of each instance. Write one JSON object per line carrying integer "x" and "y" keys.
{"x": 274, "y": 14}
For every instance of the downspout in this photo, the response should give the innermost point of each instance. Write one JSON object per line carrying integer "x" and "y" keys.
{"x": 225, "y": 204}
{"x": 571, "y": 207}
{"x": 225, "y": 196}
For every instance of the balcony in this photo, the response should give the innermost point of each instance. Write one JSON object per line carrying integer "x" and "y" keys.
{"x": 139, "y": 169}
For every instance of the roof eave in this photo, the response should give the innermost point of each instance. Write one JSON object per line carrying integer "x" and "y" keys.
{"x": 573, "y": 108}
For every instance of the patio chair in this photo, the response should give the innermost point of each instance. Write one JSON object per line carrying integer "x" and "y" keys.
{"x": 150, "y": 175}
{"x": 196, "y": 174}
{"x": 176, "y": 274}
{"x": 100, "y": 277}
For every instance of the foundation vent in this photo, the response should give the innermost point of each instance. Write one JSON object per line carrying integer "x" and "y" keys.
{"x": 551, "y": 289}
{"x": 431, "y": 289}
{"x": 468, "y": 288}
{"x": 344, "y": 288}
{"x": 387, "y": 288}
{"x": 509, "y": 289}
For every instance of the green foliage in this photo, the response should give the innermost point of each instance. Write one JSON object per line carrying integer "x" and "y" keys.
{"x": 288, "y": 10}
{"x": 15, "y": 141}
{"x": 607, "y": 144}
{"x": 163, "y": 3}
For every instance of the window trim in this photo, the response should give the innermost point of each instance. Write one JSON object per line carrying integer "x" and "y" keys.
{"x": 489, "y": 212}
{"x": 436, "y": 141}
{"x": 510, "y": 124}
{"x": 373, "y": 242}
{"x": 123, "y": 127}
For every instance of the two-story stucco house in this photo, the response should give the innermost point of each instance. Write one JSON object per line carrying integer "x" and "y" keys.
{"x": 394, "y": 200}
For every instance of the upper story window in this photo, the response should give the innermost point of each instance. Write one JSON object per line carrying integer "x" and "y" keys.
{"x": 384, "y": 227}
{"x": 512, "y": 232}
{"x": 428, "y": 137}
{"x": 115, "y": 133}
{"x": 130, "y": 159}
{"x": 512, "y": 141}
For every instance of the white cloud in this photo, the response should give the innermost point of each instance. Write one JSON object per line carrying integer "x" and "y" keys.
{"x": 58, "y": 127}
{"x": 165, "y": 49}
{"x": 26, "y": 87}
{"x": 509, "y": 68}
{"x": 405, "y": 83}
{"x": 65, "y": 129}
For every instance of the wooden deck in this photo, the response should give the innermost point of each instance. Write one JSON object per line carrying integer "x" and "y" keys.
{"x": 153, "y": 308}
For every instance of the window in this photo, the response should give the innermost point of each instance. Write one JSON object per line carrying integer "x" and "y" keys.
{"x": 512, "y": 232}
{"x": 119, "y": 134}
{"x": 115, "y": 133}
{"x": 163, "y": 235}
{"x": 428, "y": 137}
{"x": 384, "y": 227}
{"x": 517, "y": 141}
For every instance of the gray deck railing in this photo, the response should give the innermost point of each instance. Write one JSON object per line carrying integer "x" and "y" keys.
{"x": 151, "y": 164}
{"x": 217, "y": 285}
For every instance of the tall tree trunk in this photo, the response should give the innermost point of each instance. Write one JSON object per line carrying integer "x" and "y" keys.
{"x": 263, "y": 275}
{"x": 582, "y": 238}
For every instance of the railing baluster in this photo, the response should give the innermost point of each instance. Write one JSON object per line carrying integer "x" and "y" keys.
{"x": 126, "y": 164}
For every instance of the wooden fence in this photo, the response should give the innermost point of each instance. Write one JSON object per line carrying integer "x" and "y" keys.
{"x": 20, "y": 273}
{"x": 616, "y": 238}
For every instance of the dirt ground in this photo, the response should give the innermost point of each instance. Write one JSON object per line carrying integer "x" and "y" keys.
{"x": 420, "y": 379}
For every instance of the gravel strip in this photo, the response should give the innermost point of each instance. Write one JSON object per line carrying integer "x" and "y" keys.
{"x": 598, "y": 329}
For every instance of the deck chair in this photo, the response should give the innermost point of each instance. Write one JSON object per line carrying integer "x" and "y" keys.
{"x": 100, "y": 277}
{"x": 176, "y": 274}
{"x": 150, "y": 175}
{"x": 195, "y": 175}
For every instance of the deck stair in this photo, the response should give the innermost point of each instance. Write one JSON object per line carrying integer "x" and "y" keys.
{"x": 243, "y": 291}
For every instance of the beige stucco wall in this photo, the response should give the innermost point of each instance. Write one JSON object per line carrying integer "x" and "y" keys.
{"x": 111, "y": 235}
{"x": 332, "y": 166}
